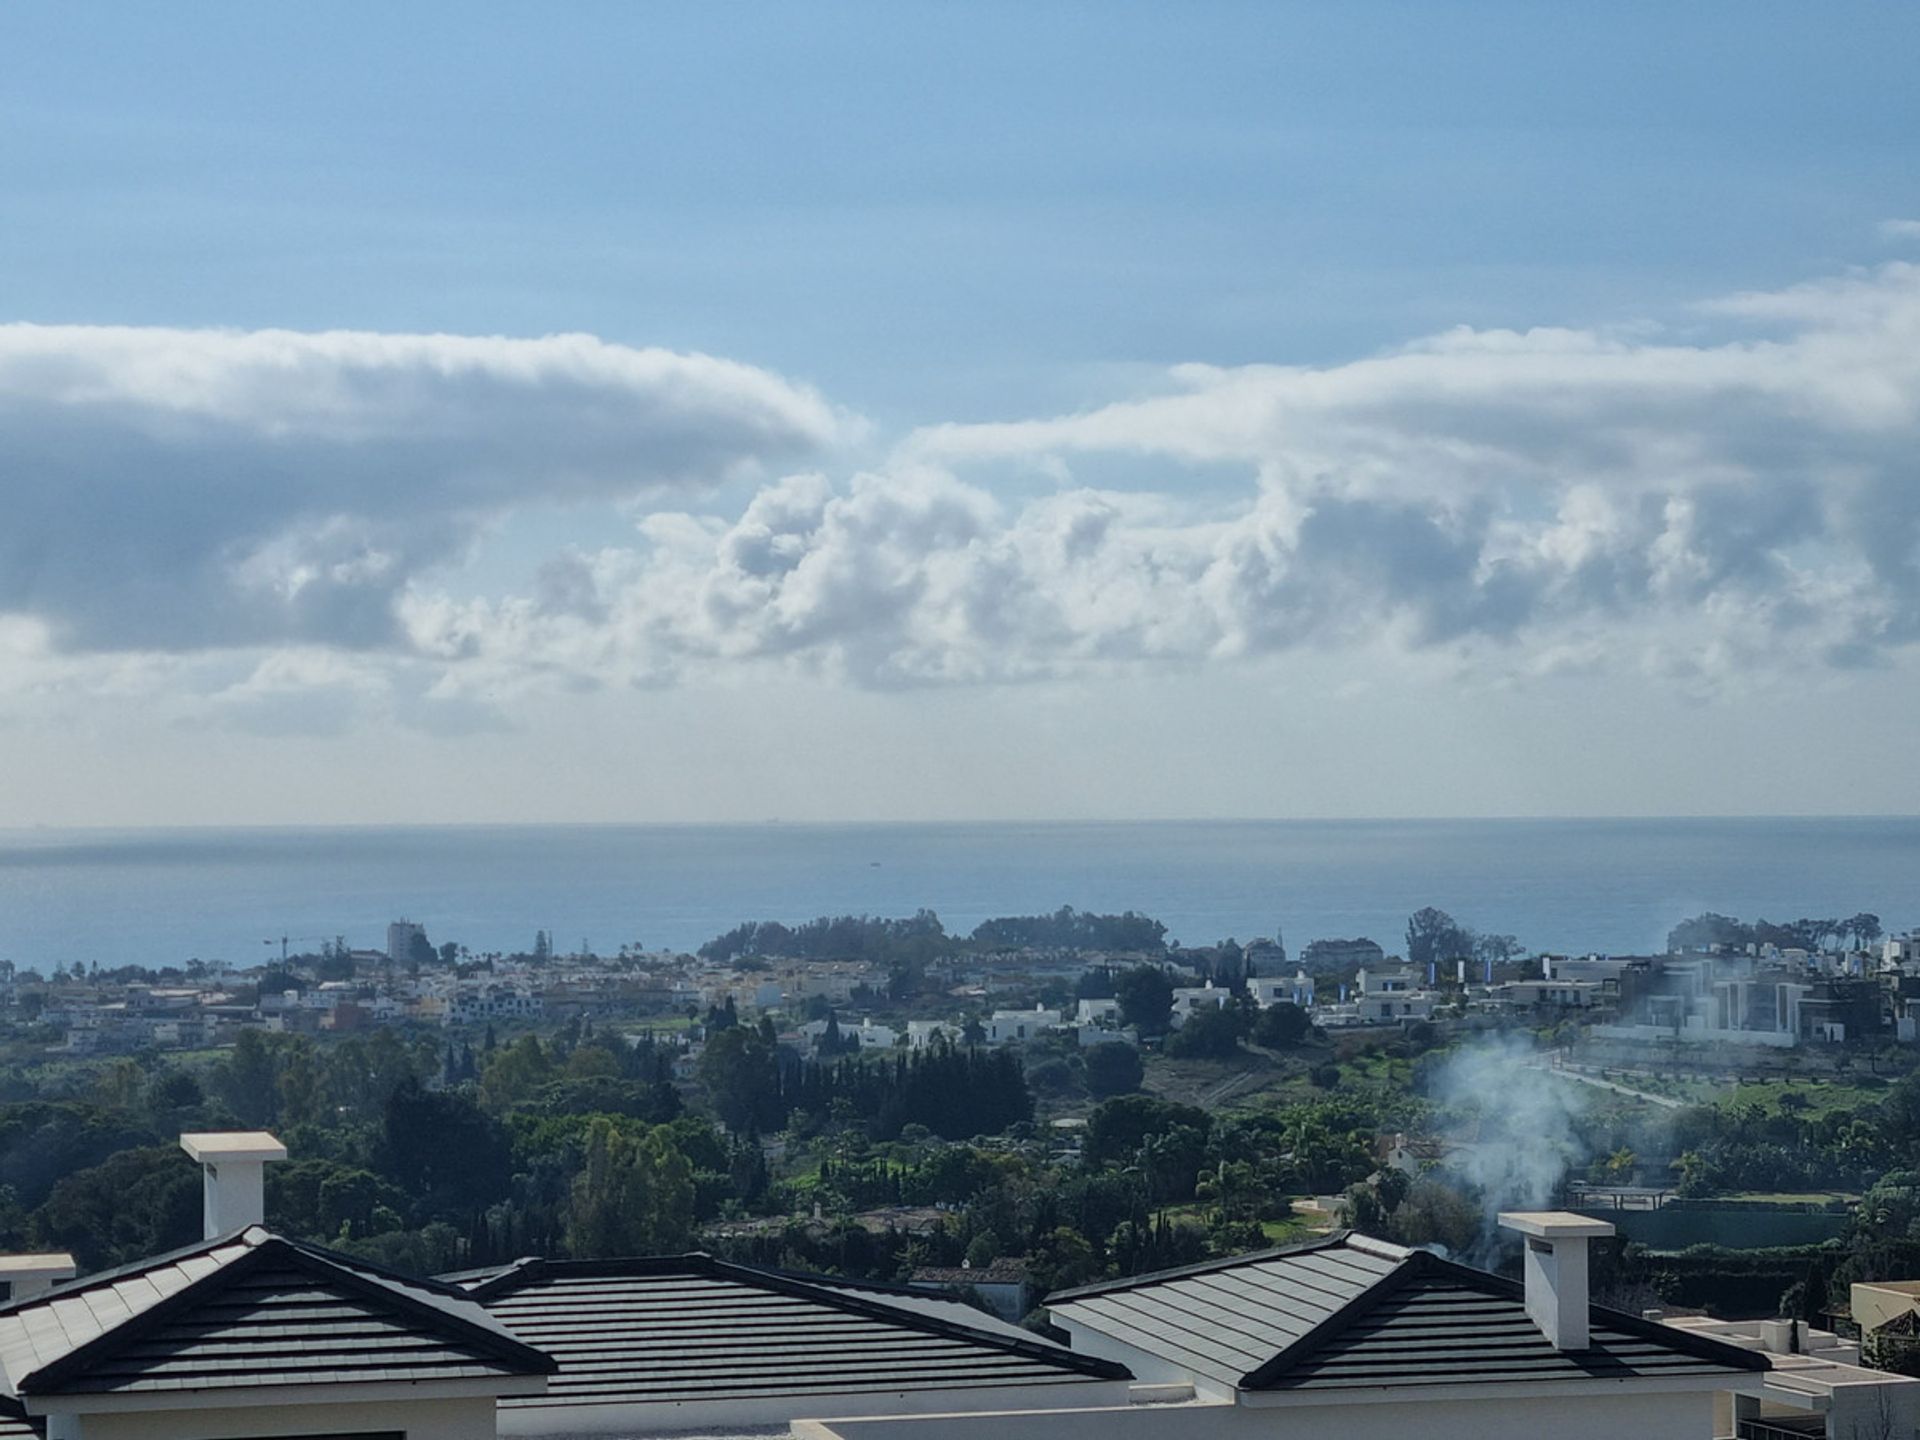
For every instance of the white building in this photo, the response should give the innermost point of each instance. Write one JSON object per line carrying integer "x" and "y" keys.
{"x": 1007, "y": 1027}
{"x": 1270, "y": 990}
{"x": 924, "y": 1034}
{"x": 869, "y": 1035}
{"x": 1190, "y": 1000}
{"x": 483, "y": 1003}
{"x": 1550, "y": 994}
{"x": 1816, "y": 1385}
{"x": 1381, "y": 1007}
{"x": 1104, "y": 1013}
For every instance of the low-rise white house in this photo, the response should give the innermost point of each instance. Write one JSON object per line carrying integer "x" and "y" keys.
{"x": 924, "y": 1034}
{"x": 1007, "y": 1027}
{"x": 1270, "y": 990}
{"x": 1105, "y": 1012}
{"x": 1549, "y": 994}
{"x": 1190, "y": 1000}
{"x": 1815, "y": 1386}
{"x": 866, "y": 1034}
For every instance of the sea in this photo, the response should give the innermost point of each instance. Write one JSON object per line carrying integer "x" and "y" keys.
{"x": 165, "y": 897}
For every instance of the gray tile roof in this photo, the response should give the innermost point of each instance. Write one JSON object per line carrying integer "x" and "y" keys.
{"x": 1336, "y": 1314}
{"x": 250, "y": 1309}
{"x": 692, "y": 1328}
{"x": 939, "y": 1304}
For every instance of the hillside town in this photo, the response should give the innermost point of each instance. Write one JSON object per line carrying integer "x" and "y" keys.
{"x": 1038, "y": 1145}
{"x": 1853, "y": 996}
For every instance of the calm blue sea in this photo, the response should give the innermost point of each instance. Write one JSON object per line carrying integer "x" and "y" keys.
{"x": 157, "y": 897}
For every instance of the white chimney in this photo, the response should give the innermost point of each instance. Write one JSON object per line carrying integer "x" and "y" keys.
{"x": 1556, "y": 1270}
{"x": 234, "y": 1162}
{"x": 28, "y": 1275}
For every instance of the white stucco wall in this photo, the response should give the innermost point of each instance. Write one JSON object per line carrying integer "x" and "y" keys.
{"x": 1613, "y": 1416}
{"x": 719, "y": 1417}
{"x": 464, "y": 1418}
{"x": 1873, "y": 1412}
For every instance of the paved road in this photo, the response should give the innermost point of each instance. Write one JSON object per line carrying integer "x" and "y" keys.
{"x": 1594, "y": 1080}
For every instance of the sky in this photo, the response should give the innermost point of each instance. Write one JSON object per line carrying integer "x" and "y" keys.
{"x": 448, "y": 413}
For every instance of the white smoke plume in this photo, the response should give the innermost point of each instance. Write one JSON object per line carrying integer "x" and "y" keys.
{"x": 1519, "y": 1129}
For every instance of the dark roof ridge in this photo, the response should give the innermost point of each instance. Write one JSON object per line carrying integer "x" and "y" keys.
{"x": 492, "y": 1339}
{"x": 1425, "y": 1264}
{"x": 433, "y": 1284}
{"x": 1704, "y": 1347}
{"x": 1328, "y": 1241}
{"x": 819, "y": 1291}
{"x": 1415, "y": 1265}
{"x": 487, "y": 1279}
{"x": 49, "y": 1377}
{"x": 97, "y": 1278}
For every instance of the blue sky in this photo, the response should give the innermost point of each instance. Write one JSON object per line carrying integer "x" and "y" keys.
{"x": 907, "y": 226}
{"x": 941, "y": 209}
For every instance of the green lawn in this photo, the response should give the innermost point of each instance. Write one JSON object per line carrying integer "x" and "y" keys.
{"x": 1812, "y": 1097}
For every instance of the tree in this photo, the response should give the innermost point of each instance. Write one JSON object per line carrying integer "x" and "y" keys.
{"x": 632, "y": 1196}
{"x": 829, "y": 1042}
{"x": 247, "y": 1081}
{"x": 1434, "y": 936}
{"x": 1117, "y": 1129}
{"x": 1063, "y": 1259}
{"x": 1170, "y": 1162}
{"x": 134, "y": 1204}
{"x": 1211, "y": 1033}
{"x": 1864, "y": 928}
{"x": 1096, "y": 984}
{"x": 1146, "y": 999}
{"x": 1113, "y": 1068}
{"x": 420, "y": 951}
{"x": 514, "y": 1073}
{"x": 738, "y": 1070}
{"x": 1434, "y": 1212}
{"x": 443, "y": 1150}
{"x": 1495, "y": 948}
{"x": 1281, "y": 1025}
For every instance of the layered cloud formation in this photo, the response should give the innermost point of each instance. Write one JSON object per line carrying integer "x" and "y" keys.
{"x": 1737, "y": 499}
{"x": 1532, "y": 500}
{"x": 187, "y": 489}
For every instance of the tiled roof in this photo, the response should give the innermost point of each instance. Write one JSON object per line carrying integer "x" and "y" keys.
{"x": 1341, "y": 1314}
{"x": 692, "y": 1328}
{"x": 250, "y": 1309}
{"x": 940, "y": 1304}
{"x": 1000, "y": 1272}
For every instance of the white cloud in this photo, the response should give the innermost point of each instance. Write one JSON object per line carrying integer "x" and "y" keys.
{"x": 1900, "y": 229}
{"x": 179, "y": 489}
{"x": 1533, "y": 502}
{"x": 1515, "y": 505}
